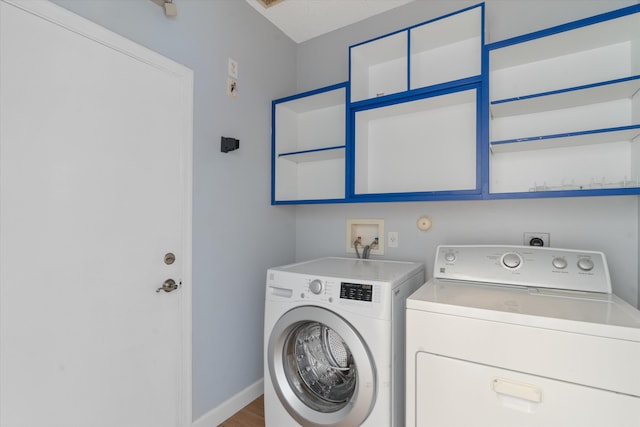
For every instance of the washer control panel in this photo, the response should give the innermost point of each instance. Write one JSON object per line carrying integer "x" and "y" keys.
{"x": 531, "y": 266}
{"x": 356, "y": 291}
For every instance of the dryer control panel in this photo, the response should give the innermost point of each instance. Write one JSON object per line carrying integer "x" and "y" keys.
{"x": 539, "y": 267}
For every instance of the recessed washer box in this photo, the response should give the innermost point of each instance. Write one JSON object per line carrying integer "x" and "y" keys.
{"x": 367, "y": 230}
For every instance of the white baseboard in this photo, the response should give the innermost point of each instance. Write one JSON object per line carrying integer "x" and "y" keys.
{"x": 221, "y": 413}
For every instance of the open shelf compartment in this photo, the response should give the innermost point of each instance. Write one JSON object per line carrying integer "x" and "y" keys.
{"x": 379, "y": 67}
{"x": 565, "y": 107}
{"x": 309, "y": 145}
{"x": 422, "y": 145}
{"x": 598, "y": 160}
{"x": 447, "y": 49}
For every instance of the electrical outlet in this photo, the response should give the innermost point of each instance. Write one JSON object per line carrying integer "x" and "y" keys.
{"x": 232, "y": 88}
{"x": 392, "y": 239}
{"x": 536, "y": 239}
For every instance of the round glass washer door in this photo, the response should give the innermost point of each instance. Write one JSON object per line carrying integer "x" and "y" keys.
{"x": 321, "y": 368}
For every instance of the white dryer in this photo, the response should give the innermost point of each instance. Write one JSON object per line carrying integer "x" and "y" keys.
{"x": 334, "y": 342}
{"x": 526, "y": 336}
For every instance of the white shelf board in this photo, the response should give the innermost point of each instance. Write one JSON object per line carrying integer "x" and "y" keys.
{"x": 567, "y": 98}
{"x": 314, "y": 155}
{"x": 332, "y": 98}
{"x": 599, "y": 136}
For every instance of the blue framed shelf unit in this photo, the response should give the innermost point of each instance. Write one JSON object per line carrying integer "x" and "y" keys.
{"x": 432, "y": 112}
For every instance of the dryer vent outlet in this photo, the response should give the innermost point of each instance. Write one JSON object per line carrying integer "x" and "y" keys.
{"x": 536, "y": 239}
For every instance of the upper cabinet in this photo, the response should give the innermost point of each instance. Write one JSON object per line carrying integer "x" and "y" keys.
{"x": 308, "y": 146}
{"x": 439, "y": 51}
{"x": 565, "y": 109}
{"x": 415, "y": 102}
{"x": 432, "y": 113}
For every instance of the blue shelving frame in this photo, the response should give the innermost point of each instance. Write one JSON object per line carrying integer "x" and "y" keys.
{"x": 275, "y": 154}
{"x": 480, "y": 83}
{"x": 586, "y": 192}
{"x": 473, "y": 83}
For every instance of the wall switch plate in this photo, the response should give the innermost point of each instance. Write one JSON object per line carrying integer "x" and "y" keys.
{"x": 170, "y": 9}
{"x": 233, "y": 68}
{"x": 536, "y": 239}
{"x": 367, "y": 230}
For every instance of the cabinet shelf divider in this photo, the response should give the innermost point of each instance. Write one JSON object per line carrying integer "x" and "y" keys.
{"x": 569, "y": 139}
{"x": 567, "y": 97}
{"x": 324, "y": 153}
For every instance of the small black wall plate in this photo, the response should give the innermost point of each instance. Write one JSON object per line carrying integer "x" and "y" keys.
{"x": 229, "y": 144}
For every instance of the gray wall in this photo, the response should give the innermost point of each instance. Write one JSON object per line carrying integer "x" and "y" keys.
{"x": 237, "y": 235}
{"x": 608, "y": 224}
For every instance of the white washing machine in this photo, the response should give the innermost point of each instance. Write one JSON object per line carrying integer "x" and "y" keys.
{"x": 526, "y": 336}
{"x": 334, "y": 342}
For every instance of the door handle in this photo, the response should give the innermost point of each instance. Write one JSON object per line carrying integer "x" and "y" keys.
{"x": 517, "y": 389}
{"x": 168, "y": 286}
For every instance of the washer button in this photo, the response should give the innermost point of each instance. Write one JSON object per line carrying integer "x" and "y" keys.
{"x": 585, "y": 264}
{"x": 559, "y": 263}
{"x": 315, "y": 286}
{"x": 511, "y": 260}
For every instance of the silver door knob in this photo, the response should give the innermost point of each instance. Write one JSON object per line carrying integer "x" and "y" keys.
{"x": 168, "y": 286}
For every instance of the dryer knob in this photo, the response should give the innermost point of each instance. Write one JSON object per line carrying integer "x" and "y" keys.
{"x": 585, "y": 264}
{"x": 511, "y": 260}
{"x": 559, "y": 263}
{"x": 316, "y": 286}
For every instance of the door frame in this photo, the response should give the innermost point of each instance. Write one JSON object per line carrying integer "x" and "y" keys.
{"x": 183, "y": 113}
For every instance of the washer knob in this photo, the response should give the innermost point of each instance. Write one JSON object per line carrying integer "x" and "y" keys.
{"x": 315, "y": 286}
{"x": 559, "y": 263}
{"x": 449, "y": 257}
{"x": 511, "y": 260}
{"x": 585, "y": 264}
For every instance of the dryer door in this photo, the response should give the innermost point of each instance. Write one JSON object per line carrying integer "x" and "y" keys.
{"x": 321, "y": 368}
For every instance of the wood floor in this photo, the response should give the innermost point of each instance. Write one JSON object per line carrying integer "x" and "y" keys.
{"x": 251, "y": 415}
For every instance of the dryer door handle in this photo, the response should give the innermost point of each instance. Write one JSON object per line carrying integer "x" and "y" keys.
{"x": 517, "y": 389}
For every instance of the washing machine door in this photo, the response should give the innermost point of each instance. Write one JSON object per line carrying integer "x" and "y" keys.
{"x": 321, "y": 368}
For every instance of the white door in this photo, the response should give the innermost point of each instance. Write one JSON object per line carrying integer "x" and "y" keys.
{"x": 95, "y": 166}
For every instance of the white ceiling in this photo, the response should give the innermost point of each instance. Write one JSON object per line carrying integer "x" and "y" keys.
{"x": 302, "y": 20}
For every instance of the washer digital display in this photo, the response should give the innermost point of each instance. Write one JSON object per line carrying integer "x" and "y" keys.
{"x": 356, "y": 291}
